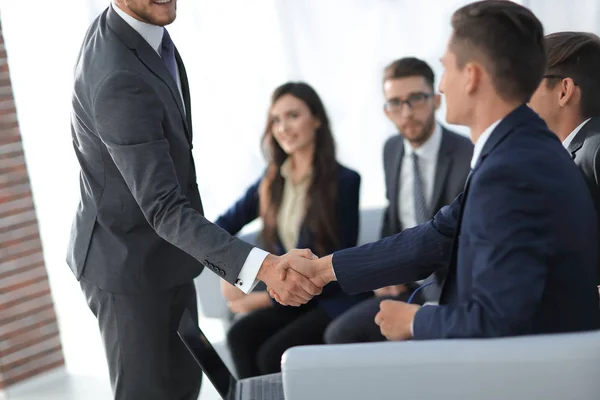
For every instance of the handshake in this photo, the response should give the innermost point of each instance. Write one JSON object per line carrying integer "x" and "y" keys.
{"x": 296, "y": 277}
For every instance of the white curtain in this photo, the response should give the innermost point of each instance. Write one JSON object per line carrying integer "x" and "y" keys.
{"x": 236, "y": 52}
{"x": 567, "y": 15}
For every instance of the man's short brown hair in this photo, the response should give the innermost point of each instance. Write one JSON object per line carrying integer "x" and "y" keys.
{"x": 409, "y": 66}
{"x": 507, "y": 39}
{"x": 576, "y": 55}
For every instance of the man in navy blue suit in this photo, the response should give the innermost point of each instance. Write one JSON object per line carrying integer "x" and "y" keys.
{"x": 521, "y": 240}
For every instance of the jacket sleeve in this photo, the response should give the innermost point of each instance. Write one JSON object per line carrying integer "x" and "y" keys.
{"x": 349, "y": 211}
{"x": 128, "y": 115}
{"x": 408, "y": 256}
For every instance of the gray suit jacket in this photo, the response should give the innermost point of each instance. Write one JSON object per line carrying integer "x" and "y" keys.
{"x": 585, "y": 150}
{"x": 453, "y": 166}
{"x": 139, "y": 226}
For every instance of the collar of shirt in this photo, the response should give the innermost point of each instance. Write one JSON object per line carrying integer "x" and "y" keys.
{"x": 481, "y": 142}
{"x": 286, "y": 172}
{"x": 428, "y": 150}
{"x": 572, "y": 135}
{"x": 153, "y": 34}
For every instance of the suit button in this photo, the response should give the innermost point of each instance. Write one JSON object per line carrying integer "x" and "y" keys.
{"x": 221, "y": 272}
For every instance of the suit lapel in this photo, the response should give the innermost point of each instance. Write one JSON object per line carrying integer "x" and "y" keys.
{"x": 577, "y": 142}
{"x": 185, "y": 88}
{"x": 148, "y": 57}
{"x": 442, "y": 169}
{"x": 452, "y": 266}
{"x": 396, "y": 166}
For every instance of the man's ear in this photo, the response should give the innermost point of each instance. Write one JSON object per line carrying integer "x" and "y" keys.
{"x": 437, "y": 99}
{"x": 474, "y": 75}
{"x": 568, "y": 92}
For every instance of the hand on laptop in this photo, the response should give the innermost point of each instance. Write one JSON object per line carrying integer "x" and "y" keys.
{"x": 292, "y": 289}
{"x": 318, "y": 270}
{"x": 395, "y": 319}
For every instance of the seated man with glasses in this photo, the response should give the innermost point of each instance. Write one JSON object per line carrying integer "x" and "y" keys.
{"x": 567, "y": 99}
{"x": 426, "y": 166}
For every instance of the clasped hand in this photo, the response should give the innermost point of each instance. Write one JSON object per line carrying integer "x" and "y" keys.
{"x": 296, "y": 277}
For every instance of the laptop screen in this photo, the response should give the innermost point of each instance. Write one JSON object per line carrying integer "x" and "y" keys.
{"x": 206, "y": 356}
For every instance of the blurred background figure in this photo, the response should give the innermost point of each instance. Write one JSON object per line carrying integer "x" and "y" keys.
{"x": 305, "y": 199}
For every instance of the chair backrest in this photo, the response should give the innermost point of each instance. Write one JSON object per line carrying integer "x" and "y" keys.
{"x": 370, "y": 225}
{"x": 561, "y": 366}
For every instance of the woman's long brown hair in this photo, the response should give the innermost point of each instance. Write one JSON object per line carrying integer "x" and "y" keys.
{"x": 320, "y": 217}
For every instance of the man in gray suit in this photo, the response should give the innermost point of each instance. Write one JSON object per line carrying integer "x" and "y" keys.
{"x": 567, "y": 99}
{"x": 426, "y": 166}
{"x": 139, "y": 236}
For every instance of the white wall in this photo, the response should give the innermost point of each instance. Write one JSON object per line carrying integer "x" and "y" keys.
{"x": 236, "y": 52}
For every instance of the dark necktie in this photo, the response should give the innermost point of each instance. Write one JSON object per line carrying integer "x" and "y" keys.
{"x": 418, "y": 192}
{"x": 168, "y": 55}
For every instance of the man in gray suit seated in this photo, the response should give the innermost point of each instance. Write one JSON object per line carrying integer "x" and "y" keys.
{"x": 567, "y": 99}
{"x": 426, "y": 166}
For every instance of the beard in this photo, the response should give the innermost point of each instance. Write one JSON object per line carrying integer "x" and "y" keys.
{"x": 425, "y": 132}
{"x": 144, "y": 13}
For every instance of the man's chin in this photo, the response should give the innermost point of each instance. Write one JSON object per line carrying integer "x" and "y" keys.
{"x": 413, "y": 137}
{"x": 161, "y": 17}
{"x": 163, "y": 21}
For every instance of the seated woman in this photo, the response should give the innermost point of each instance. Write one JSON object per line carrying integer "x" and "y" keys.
{"x": 306, "y": 199}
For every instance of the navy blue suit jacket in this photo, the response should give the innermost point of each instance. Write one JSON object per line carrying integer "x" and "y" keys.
{"x": 246, "y": 210}
{"x": 525, "y": 258}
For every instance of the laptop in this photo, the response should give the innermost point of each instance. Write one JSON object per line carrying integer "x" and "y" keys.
{"x": 266, "y": 387}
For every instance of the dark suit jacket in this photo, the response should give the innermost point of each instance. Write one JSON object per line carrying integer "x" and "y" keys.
{"x": 585, "y": 149}
{"x": 139, "y": 226}
{"x": 453, "y": 166}
{"x": 525, "y": 257}
{"x": 452, "y": 169}
{"x": 246, "y": 210}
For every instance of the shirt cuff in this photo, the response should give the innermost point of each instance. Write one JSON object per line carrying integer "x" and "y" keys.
{"x": 246, "y": 280}
{"x": 333, "y": 269}
{"x": 412, "y": 330}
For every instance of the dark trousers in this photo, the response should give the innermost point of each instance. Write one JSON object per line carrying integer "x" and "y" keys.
{"x": 357, "y": 325}
{"x": 146, "y": 358}
{"x": 258, "y": 340}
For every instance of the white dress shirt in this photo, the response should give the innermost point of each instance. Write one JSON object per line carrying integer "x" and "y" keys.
{"x": 572, "y": 135}
{"x": 481, "y": 142}
{"x": 153, "y": 34}
{"x": 428, "y": 156}
{"x": 293, "y": 206}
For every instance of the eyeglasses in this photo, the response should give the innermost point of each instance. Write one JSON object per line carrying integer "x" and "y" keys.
{"x": 414, "y": 101}
{"x": 561, "y": 77}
